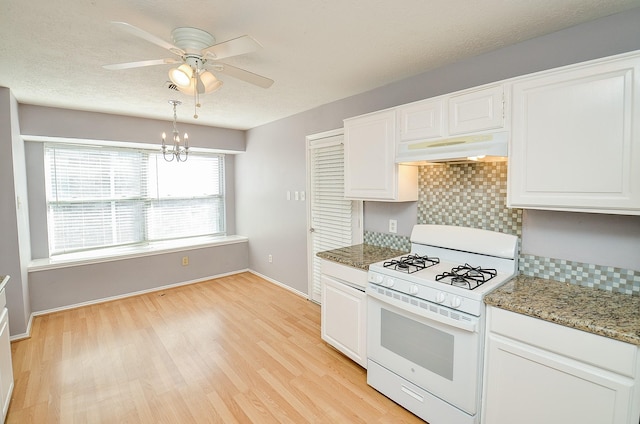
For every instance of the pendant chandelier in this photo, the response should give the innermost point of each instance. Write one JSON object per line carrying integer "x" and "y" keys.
{"x": 178, "y": 152}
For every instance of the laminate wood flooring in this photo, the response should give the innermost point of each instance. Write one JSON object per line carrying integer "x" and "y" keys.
{"x": 236, "y": 349}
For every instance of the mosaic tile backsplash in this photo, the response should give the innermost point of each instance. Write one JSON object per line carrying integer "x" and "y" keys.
{"x": 474, "y": 195}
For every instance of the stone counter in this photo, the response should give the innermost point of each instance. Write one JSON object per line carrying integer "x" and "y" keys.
{"x": 608, "y": 314}
{"x": 360, "y": 256}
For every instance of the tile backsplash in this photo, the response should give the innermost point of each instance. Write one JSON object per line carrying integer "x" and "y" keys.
{"x": 474, "y": 195}
{"x": 467, "y": 195}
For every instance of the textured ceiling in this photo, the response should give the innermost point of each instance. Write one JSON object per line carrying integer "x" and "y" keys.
{"x": 317, "y": 51}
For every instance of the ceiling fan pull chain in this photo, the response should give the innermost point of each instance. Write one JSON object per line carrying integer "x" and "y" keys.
{"x": 196, "y": 95}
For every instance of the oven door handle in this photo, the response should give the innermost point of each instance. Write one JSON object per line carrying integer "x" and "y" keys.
{"x": 471, "y": 327}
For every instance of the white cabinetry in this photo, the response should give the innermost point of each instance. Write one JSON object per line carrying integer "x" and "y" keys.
{"x": 344, "y": 310}
{"x": 477, "y": 110}
{"x": 575, "y": 141}
{"x": 465, "y": 112}
{"x": 540, "y": 372}
{"x": 421, "y": 120}
{"x": 6, "y": 370}
{"x": 471, "y": 122}
{"x": 370, "y": 171}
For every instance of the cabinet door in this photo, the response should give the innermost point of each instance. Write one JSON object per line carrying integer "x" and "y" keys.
{"x": 479, "y": 110}
{"x": 526, "y": 385}
{"x": 343, "y": 319}
{"x": 370, "y": 171}
{"x": 422, "y": 120}
{"x": 369, "y": 157}
{"x": 6, "y": 370}
{"x": 576, "y": 139}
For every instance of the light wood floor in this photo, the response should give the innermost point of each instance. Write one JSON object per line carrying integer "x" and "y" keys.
{"x": 236, "y": 349}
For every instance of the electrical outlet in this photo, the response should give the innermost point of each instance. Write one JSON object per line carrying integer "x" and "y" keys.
{"x": 185, "y": 260}
{"x": 270, "y": 259}
{"x": 393, "y": 226}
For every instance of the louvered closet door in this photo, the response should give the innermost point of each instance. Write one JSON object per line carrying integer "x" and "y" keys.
{"x": 333, "y": 221}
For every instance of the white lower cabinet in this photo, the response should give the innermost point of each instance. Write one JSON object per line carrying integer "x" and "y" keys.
{"x": 344, "y": 310}
{"x": 540, "y": 372}
{"x": 6, "y": 367}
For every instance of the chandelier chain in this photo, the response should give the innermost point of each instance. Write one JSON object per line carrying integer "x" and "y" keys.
{"x": 177, "y": 152}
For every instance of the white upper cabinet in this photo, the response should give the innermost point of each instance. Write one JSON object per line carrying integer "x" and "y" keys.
{"x": 466, "y": 112}
{"x": 476, "y": 111}
{"x": 370, "y": 171}
{"x": 421, "y": 120}
{"x": 575, "y": 142}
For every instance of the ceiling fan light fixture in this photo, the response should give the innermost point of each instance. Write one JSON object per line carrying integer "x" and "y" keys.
{"x": 210, "y": 82}
{"x": 181, "y": 76}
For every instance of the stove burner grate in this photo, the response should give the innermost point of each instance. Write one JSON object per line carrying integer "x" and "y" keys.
{"x": 411, "y": 263}
{"x": 467, "y": 276}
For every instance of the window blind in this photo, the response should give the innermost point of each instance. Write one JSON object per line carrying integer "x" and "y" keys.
{"x": 331, "y": 214}
{"x": 104, "y": 197}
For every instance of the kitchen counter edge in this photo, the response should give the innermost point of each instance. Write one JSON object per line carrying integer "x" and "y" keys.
{"x": 612, "y": 315}
{"x": 360, "y": 255}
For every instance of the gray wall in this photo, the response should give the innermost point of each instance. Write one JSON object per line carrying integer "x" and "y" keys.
{"x": 53, "y": 122}
{"x": 61, "y": 287}
{"x": 14, "y": 219}
{"x": 275, "y": 160}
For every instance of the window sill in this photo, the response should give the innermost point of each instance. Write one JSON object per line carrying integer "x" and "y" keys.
{"x": 128, "y": 252}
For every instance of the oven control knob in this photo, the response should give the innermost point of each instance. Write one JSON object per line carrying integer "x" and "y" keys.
{"x": 389, "y": 282}
{"x": 455, "y": 302}
{"x": 378, "y": 279}
{"x": 440, "y": 297}
{"x": 413, "y": 289}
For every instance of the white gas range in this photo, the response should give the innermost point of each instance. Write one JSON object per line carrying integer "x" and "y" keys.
{"x": 426, "y": 319}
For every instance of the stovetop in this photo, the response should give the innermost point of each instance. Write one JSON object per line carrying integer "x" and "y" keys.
{"x": 441, "y": 282}
{"x": 434, "y": 284}
{"x": 447, "y": 276}
{"x": 448, "y": 265}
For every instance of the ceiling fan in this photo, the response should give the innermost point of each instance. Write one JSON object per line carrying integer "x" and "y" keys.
{"x": 198, "y": 54}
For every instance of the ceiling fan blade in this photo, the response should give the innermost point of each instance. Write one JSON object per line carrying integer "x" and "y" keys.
{"x": 149, "y": 37}
{"x": 140, "y": 64}
{"x": 234, "y": 47}
{"x": 243, "y": 75}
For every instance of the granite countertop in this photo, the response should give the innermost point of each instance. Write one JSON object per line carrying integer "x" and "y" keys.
{"x": 613, "y": 315}
{"x": 360, "y": 255}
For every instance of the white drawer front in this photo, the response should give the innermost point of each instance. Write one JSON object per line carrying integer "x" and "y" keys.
{"x": 589, "y": 348}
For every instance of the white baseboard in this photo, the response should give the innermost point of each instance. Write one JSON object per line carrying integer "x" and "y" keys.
{"x": 24, "y": 335}
{"x": 278, "y": 283}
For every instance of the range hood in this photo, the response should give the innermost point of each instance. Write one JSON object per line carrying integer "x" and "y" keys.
{"x": 465, "y": 149}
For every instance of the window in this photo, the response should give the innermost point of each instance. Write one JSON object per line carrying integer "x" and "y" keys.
{"x": 101, "y": 197}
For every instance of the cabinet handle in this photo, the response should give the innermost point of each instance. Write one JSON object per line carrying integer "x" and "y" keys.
{"x": 411, "y": 393}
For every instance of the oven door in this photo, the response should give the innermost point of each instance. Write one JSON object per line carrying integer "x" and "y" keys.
{"x": 437, "y": 353}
